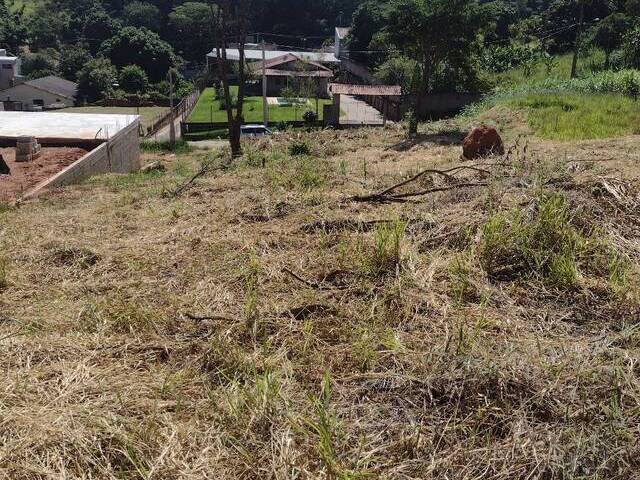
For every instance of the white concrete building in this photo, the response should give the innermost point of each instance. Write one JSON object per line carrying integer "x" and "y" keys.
{"x": 9, "y": 69}
{"x": 39, "y": 94}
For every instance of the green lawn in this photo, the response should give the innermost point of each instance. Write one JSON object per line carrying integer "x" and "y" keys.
{"x": 559, "y": 67}
{"x": 573, "y": 116}
{"x": 147, "y": 114}
{"x": 208, "y": 109}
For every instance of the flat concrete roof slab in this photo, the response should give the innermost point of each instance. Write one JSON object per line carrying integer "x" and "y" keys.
{"x": 73, "y": 126}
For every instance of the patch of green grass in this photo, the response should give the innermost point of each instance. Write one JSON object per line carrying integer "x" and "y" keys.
{"x": 387, "y": 252}
{"x": 548, "y": 247}
{"x": 181, "y": 147}
{"x": 579, "y": 116}
{"x": 559, "y": 67}
{"x": 208, "y": 109}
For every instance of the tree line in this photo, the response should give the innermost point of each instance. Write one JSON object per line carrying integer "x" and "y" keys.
{"x": 447, "y": 45}
{"x": 117, "y": 47}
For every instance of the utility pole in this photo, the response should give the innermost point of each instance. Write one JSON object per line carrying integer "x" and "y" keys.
{"x": 576, "y": 47}
{"x": 172, "y": 126}
{"x": 265, "y": 105}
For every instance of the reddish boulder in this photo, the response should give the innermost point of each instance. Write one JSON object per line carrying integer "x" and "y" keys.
{"x": 482, "y": 141}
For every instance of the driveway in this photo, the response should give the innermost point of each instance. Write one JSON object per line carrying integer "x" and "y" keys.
{"x": 357, "y": 112}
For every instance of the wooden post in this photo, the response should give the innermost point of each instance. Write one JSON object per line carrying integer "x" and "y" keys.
{"x": 172, "y": 126}
{"x": 265, "y": 104}
{"x": 384, "y": 111}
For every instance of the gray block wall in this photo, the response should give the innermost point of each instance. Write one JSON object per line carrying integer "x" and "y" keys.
{"x": 120, "y": 154}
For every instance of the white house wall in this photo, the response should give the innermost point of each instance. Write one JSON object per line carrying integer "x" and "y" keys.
{"x": 27, "y": 94}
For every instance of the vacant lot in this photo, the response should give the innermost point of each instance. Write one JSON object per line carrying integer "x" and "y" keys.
{"x": 276, "y": 320}
{"x": 208, "y": 109}
{"x": 147, "y": 114}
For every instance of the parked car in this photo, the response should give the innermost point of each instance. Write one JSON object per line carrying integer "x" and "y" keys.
{"x": 254, "y": 131}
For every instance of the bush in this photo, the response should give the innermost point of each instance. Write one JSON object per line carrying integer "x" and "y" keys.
{"x": 309, "y": 117}
{"x": 299, "y": 147}
{"x": 96, "y": 79}
{"x": 499, "y": 59}
{"x": 133, "y": 79}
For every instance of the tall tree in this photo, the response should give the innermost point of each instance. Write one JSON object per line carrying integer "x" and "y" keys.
{"x": 190, "y": 30}
{"x": 440, "y": 35}
{"x": 142, "y": 14}
{"x": 232, "y": 25}
{"x": 609, "y": 33}
{"x": 139, "y": 46}
{"x": 13, "y": 32}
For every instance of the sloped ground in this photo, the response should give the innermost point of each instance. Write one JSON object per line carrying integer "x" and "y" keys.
{"x": 264, "y": 323}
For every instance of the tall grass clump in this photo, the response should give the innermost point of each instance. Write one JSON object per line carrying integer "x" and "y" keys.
{"x": 386, "y": 256}
{"x": 546, "y": 246}
{"x": 4, "y": 282}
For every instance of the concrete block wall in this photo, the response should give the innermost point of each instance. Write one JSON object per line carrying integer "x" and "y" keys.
{"x": 120, "y": 154}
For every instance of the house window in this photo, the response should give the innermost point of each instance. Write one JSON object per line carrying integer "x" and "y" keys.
{"x": 38, "y": 102}
{"x": 7, "y": 66}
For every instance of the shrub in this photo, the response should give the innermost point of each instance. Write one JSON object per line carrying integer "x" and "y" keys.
{"x": 299, "y": 147}
{"x": 133, "y": 79}
{"x": 309, "y": 117}
{"x": 412, "y": 123}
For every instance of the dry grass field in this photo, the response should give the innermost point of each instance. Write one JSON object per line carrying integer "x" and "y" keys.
{"x": 273, "y": 320}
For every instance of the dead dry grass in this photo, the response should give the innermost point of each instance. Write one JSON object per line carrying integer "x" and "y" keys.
{"x": 262, "y": 324}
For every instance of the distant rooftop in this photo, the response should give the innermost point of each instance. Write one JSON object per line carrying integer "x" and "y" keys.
{"x": 6, "y": 56}
{"x": 319, "y": 57}
{"x": 56, "y": 85}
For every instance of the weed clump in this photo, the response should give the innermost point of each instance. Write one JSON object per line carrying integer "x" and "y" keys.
{"x": 299, "y": 147}
{"x": 4, "y": 283}
{"x": 546, "y": 246}
{"x": 387, "y": 251}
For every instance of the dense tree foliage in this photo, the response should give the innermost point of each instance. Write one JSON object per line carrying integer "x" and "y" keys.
{"x": 423, "y": 45}
{"x": 133, "y": 79}
{"x": 72, "y": 59}
{"x": 96, "y": 79}
{"x": 141, "y": 47}
{"x": 190, "y": 29}
{"x": 142, "y": 14}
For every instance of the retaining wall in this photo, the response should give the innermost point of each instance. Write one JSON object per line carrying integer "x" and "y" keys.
{"x": 120, "y": 154}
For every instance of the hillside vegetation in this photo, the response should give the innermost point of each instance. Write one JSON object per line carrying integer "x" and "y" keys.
{"x": 302, "y": 312}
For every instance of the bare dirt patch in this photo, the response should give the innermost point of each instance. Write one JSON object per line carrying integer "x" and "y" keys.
{"x": 26, "y": 175}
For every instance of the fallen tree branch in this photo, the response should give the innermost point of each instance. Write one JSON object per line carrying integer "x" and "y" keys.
{"x": 400, "y": 197}
{"x": 309, "y": 283}
{"x": 200, "y": 318}
{"x": 445, "y": 173}
{"x": 203, "y": 170}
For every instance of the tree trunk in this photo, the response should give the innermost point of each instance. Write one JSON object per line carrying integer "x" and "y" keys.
{"x": 234, "y": 138}
{"x": 223, "y": 22}
{"x": 574, "y": 62}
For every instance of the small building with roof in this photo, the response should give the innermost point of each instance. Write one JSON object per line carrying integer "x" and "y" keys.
{"x": 293, "y": 71}
{"x": 46, "y": 93}
{"x": 9, "y": 69}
